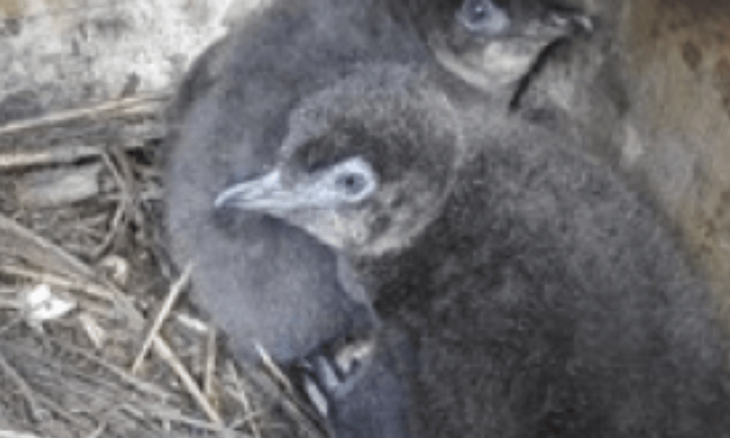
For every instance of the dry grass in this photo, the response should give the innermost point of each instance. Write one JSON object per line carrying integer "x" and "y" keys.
{"x": 96, "y": 336}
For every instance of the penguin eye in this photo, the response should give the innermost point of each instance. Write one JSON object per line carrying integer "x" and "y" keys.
{"x": 482, "y": 16}
{"x": 351, "y": 183}
{"x": 352, "y": 180}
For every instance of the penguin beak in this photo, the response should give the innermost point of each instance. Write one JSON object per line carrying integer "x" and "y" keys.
{"x": 263, "y": 194}
{"x": 568, "y": 22}
{"x": 302, "y": 205}
{"x": 556, "y": 24}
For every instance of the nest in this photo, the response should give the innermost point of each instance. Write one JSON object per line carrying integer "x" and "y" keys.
{"x": 96, "y": 335}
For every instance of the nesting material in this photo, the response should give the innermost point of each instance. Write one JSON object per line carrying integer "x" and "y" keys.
{"x": 81, "y": 256}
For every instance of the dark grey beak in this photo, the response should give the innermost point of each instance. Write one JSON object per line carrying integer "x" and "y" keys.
{"x": 264, "y": 194}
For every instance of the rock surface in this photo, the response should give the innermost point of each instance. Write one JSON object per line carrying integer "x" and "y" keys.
{"x": 57, "y": 54}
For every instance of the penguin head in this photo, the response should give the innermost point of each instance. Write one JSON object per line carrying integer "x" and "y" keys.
{"x": 366, "y": 164}
{"x": 491, "y": 44}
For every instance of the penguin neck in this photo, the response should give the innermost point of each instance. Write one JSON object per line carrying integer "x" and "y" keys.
{"x": 451, "y": 245}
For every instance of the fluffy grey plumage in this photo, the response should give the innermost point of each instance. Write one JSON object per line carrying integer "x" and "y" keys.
{"x": 260, "y": 279}
{"x": 542, "y": 297}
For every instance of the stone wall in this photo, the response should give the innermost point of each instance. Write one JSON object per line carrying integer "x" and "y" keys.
{"x": 57, "y": 54}
{"x": 678, "y": 59}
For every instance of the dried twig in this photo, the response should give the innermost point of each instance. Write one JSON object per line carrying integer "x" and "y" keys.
{"x": 124, "y": 178}
{"x": 59, "y": 186}
{"x": 135, "y": 105}
{"x": 60, "y": 411}
{"x": 136, "y": 383}
{"x": 168, "y": 415}
{"x": 122, "y": 205}
{"x": 175, "y": 291}
{"x": 290, "y": 405}
{"x": 33, "y": 407}
{"x": 57, "y": 155}
{"x": 14, "y": 434}
{"x": 19, "y": 157}
{"x": 242, "y": 397}
{"x": 273, "y": 368}
{"x": 77, "y": 284}
{"x": 211, "y": 349}
{"x": 166, "y": 353}
{"x": 19, "y": 241}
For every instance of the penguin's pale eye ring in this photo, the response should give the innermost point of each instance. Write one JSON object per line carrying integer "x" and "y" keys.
{"x": 352, "y": 183}
{"x": 483, "y": 16}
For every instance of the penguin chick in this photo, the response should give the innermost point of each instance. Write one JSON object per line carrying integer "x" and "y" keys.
{"x": 542, "y": 297}
{"x": 493, "y": 44}
{"x": 261, "y": 280}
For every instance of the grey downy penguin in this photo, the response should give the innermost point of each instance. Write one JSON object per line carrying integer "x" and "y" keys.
{"x": 262, "y": 280}
{"x": 541, "y": 296}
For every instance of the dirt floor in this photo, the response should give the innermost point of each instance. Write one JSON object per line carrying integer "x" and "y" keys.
{"x": 96, "y": 336}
